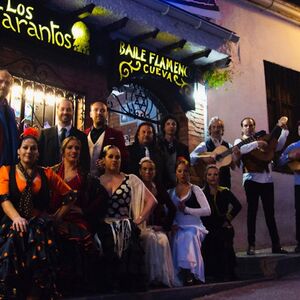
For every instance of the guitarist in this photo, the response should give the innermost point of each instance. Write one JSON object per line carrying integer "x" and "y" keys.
{"x": 258, "y": 182}
{"x": 290, "y": 154}
{"x": 216, "y": 131}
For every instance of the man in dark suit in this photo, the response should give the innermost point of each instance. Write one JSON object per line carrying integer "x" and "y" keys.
{"x": 145, "y": 146}
{"x": 51, "y": 138}
{"x": 100, "y": 135}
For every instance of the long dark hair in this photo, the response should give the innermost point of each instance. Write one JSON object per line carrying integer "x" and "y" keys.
{"x": 136, "y": 140}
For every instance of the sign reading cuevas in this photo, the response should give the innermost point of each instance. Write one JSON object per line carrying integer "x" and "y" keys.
{"x": 134, "y": 59}
{"x": 25, "y": 20}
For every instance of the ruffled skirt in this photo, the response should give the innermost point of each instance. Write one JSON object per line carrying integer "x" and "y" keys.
{"x": 28, "y": 260}
{"x": 187, "y": 250}
{"x": 158, "y": 257}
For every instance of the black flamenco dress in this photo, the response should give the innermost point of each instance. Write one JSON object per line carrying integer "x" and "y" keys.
{"x": 124, "y": 264}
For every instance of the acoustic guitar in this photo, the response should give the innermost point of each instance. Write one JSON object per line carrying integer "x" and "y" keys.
{"x": 267, "y": 154}
{"x": 223, "y": 154}
{"x": 294, "y": 165}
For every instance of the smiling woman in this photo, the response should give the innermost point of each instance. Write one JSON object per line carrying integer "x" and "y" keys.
{"x": 75, "y": 239}
{"x": 29, "y": 265}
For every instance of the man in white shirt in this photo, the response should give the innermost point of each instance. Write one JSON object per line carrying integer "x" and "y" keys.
{"x": 101, "y": 135}
{"x": 257, "y": 179}
{"x": 292, "y": 155}
{"x": 216, "y": 131}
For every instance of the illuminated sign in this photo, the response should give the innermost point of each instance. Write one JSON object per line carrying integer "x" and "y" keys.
{"x": 20, "y": 18}
{"x": 134, "y": 59}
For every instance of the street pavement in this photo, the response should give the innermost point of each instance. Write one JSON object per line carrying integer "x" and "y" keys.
{"x": 285, "y": 288}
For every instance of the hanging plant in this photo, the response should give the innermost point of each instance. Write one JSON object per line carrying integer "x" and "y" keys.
{"x": 217, "y": 77}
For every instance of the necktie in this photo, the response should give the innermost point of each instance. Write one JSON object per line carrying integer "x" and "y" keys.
{"x": 63, "y": 132}
{"x": 147, "y": 152}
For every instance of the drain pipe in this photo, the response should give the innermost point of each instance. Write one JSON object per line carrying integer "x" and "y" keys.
{"x": 280, "y": 8}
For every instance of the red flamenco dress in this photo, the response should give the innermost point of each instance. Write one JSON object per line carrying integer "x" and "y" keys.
{"x": 76, "y": 243}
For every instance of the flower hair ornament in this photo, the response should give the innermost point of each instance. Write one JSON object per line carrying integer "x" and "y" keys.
{"x": 182, "y": 159}
{"x": 30, "y": 132}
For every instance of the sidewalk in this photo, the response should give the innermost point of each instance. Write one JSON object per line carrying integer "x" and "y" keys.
{"x": 251, "y": 269}
{"x": 267, "y": 265}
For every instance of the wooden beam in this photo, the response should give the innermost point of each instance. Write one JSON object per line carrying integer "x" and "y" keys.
{"x": 144, "y": 36}
{"x": 169, "y": 48}
{"x": 116, "y": 25}
{"x": 83, "y": 12}
{"x": 196, "y": 55}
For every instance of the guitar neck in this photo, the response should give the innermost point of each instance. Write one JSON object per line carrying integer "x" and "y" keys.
{"x": 246, "y": 141}
{"x": 239, "y": 145}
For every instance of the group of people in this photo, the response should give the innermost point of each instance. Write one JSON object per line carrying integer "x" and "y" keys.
{"x": 128, "y": 216}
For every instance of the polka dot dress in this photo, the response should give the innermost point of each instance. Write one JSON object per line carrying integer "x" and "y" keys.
{"x": 119, "y": 202}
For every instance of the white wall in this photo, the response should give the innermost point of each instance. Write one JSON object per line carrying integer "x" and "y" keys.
{"x": 263, "y": 36}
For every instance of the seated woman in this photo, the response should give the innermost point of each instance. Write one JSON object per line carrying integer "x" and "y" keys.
{"x": 28, "y": 251}
{"x": 158, "y": 257}
{"x": 218, "y": 251}
{"x": 76, "y": 241}
{"x": 129, "y": 205}
{"x": 191, "y": 204}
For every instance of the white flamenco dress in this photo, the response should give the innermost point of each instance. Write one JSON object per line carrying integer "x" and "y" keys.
{"x": 186, "y": 245}
{"x": 158, "y": 257}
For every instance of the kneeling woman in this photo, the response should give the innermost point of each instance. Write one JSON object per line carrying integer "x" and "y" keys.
{"x": 28, "y": 252}
{"x": 191, "y": 204}
{"x": 129, "y": 204}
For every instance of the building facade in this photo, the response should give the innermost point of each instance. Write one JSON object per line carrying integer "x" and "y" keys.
{"x": 268, "y": 43}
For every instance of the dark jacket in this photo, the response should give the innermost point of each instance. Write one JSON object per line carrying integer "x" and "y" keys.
{"x": 169, "y": 163}
{"x": 165, "y": 210}
{"x": 9, "y": 136}
{"x": 224, "y": 207}
{"x": 49, "y": 148}
{"x": 137, "y": 152}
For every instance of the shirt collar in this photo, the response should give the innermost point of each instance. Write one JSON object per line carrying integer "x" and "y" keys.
{"x": 217, "y": 142}
{"x": 67, "y": 127}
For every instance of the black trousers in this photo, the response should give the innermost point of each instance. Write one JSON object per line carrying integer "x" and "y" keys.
{"x": 264, "y": 191}
{"x": 297, "y": 208}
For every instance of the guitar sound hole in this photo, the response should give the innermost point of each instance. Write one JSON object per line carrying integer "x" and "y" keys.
{"x": 218, "y": 157}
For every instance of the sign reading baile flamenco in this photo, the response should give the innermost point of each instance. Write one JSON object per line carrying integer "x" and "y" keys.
{"x": 134, "y": 59}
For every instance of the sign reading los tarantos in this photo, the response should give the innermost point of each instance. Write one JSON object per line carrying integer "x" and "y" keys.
{"x": 22, "y": 19}
{"x": 135, "y": 59}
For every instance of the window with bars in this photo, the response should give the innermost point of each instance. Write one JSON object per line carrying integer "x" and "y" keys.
{"x": 35, "y": 103}
{"x": 283, "y": 96}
